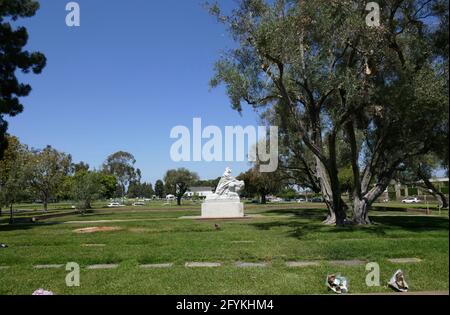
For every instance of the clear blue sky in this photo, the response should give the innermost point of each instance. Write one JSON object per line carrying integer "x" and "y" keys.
{"x": 124, "y": 79}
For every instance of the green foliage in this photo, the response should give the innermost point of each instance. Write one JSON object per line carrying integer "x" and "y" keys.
{"x": 288, "y": 194}
{"x": 207, "y": 183}
{"x": 13, "y": 57}
{"x": 140, "y": 190}
{"x": 261, "y": 184}
{"x": 343, "y": 91}
{"x": 108, "y": 185}
{"x": 346, "y": 178}
{"x": 179, "y": 181}
{"x": 45, "y": 172}
{"x": 12, "y": 178}
{"x": 159, "y": 189}
{"x": 392, "y": 196}
{"x": 121, "y": 165}
{"x": 85, "y": 188}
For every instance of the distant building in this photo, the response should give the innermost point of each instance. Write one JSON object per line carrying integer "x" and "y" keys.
{"x": 201, "y": 192}
{"x": 398, "y": 191}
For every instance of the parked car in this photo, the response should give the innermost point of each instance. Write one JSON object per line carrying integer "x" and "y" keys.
{"x": 170, "y": 198}
{"x": 301, "y": 200}
{"x": 115, "y": 205}
{"x": 411, "y": 200}
{"x": 277, "y": 200}
{"x": 317, "y": 200}
{"x": 139, "y": 204}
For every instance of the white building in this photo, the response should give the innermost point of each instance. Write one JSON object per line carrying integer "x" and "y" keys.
{"x": 201, "y": 192}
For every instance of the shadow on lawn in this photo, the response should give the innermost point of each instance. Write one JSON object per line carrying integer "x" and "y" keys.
{"x": 306, "y": 213}
{"x": 414, "y": 224}
{"x": 300, "y": 229}
{"x": 28, "y": 226}
{"x": 6, "y": 227}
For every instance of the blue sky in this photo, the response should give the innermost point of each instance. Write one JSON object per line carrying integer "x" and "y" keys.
{"x": 122, "y": 80}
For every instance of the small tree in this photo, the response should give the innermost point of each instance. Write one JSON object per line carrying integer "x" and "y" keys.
{"x": 178, "y": 182}
{"x": 261, "y": 184}
{"x": 159, "y": 189}
{"x": 86, "y": 187}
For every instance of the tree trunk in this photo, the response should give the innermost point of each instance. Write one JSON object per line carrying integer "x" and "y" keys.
{"x": 11, "y": 214}
{"x": 86, "y": 205}
{"x": 0, "y": 211}
{"x": 179, "y": 201}
{"x": 442, "y": 199}
{"x": 263, "y": 199}
{"x": 331, "y": 193}
{"x": 361, "y": 211}
{"x": 361, "y": 205}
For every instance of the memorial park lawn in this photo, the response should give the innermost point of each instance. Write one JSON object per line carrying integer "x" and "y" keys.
{"x": 274, "y": 236}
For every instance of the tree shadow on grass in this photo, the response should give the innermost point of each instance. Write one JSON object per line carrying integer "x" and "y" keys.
{"x": 306, "y": 213}
{"x": 24, "y": 227}
{"x": 301, "y": 229}
{"x": 6, "y": 227}
{"x": 413, "y": 223}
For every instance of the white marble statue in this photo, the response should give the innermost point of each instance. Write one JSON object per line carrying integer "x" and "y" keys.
{"x": 228, "y": 187}
{"x": 225, "y": 202}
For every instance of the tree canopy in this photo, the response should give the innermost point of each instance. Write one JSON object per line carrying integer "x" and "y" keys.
{"x": 379, "y": 92}
{"x": 179, "y": 181}
{"x": 13, "y": 57}
{"x": 121, "y": 165}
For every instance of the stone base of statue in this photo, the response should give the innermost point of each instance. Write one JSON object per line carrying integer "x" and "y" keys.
{"x": 222, "y": 209}
{"x": 225, "y": 202}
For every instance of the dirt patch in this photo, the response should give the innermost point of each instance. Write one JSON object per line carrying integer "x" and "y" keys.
{"x": 98, "y": 229}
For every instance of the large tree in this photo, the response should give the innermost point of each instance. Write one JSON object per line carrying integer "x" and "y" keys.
{"x": 121, "y": 165}
{"x": 261, "y": 184}
{"x": 179, "y": 181}
{"x": 335, "y": 78}
{"x": 12, "y": 179}
{"x": 45, "y": 172}
{"x": 13, "y": 57}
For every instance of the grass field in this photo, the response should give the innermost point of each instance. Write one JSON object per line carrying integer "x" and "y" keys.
{"x": 275, "y": 234}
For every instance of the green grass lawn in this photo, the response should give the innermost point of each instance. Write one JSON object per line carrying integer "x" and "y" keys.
{"x": 280, "y": 233}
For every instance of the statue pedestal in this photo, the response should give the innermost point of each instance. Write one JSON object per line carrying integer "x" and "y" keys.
{"x": 222, "y": 209}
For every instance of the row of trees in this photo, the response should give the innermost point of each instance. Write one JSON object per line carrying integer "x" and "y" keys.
{"x": 349, "y": 99}
{"x": 48, "y": 175}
